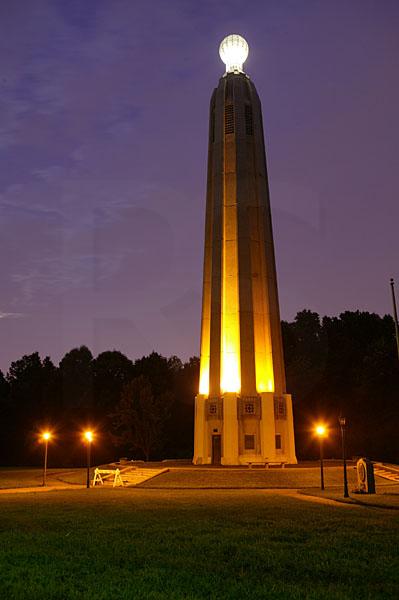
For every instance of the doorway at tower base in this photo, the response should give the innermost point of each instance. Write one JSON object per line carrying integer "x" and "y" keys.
{"x": 236, "y": 430}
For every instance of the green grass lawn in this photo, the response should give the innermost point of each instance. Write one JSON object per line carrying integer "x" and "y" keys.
{"x": 250, "y": 478}
{"x": 142, "y": 543}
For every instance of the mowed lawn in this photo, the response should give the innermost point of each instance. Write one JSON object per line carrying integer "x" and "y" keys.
{"x": 142, "y": 543}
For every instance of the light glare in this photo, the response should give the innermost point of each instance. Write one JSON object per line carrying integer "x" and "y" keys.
{"x": 234, "y": 52}
{"x": 89, "y": 436}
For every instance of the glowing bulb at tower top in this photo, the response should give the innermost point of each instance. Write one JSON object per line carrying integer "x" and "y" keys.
{"x": 234, "y": 52}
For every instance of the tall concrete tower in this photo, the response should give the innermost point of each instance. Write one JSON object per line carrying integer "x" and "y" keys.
{"x": 242, "y": 412}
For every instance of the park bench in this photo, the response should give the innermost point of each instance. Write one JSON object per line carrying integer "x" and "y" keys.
{"x": 266, "y": 464}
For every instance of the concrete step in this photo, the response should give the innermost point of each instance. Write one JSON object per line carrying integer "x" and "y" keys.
{"x": 132, "y": 476}
{"x": 136, "y": 476}
{"x": 386, "y": 473}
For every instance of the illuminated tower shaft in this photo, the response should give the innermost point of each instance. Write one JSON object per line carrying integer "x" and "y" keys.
{"x": 243, "y": 413}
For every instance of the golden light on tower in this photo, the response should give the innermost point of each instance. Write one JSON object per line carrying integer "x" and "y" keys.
{"x": 230, "y": 380}
{"x": 46, "y": 436}
{"x": 204, "y": 377}
{"x": 242, "y": 411}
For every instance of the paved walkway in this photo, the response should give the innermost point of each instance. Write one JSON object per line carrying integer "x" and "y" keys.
{"x": 320, "y": 500}
{"x": 270, "y": 492}
{"x": 25, "y": 490}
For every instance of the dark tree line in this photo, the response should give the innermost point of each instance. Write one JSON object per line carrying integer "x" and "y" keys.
{"x": 109, "y": 393}
{"x": 346, "y": 365}
{"x": 145, "y": 409}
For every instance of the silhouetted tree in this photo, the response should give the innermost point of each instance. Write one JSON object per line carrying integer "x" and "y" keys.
{"x": 305, "y": 351}
{"x": 28, "y": 379}
{"x": 76, "y": 380}
{"x": 5, "y": 418}
{"x": 180, "y": 427}
{"x": 139, "y": 418}
{"x": 157, "y": 370}
{"x": 112, "y": 370}
{"x": 4, "y": 390}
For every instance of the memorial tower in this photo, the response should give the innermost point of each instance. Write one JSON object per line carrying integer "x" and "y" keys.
{"x": 242, "y": 411}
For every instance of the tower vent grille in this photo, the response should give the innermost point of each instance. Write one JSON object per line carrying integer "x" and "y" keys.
{"x": 214, "y": 408}
{"x": 249, "y": 122}
{"x": 213, "y": 126}
{"x": 229, "y": 119}
{"x": 249, "y": 406}
{"x": 280, "y": 408}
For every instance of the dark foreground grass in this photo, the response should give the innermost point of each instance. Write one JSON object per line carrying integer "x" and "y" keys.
{"x": 150, "y": 544}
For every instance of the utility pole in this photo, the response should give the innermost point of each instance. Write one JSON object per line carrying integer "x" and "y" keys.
{"x": 395, "y": 315}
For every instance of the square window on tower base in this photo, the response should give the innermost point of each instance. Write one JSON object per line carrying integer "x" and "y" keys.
{"x": 249, "y": 442}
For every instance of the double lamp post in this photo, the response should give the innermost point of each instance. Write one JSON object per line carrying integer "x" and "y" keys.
{"x": 88, "y": 437}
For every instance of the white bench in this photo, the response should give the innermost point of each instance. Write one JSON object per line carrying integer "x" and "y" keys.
{"x": 266, "y": 464}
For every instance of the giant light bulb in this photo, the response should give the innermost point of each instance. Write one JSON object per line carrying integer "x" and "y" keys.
{"x": 234, "y": 52}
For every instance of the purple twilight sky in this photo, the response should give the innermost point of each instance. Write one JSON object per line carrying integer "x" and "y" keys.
{"x": 103, "y": 145}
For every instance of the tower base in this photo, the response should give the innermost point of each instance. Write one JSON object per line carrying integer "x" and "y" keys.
{"x": 239, "y": 430}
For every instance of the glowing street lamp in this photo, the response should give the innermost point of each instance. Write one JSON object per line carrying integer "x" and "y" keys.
{"x": 321, "y": 432}
{"x": 88, "y": 436}
{"x": 45, "y": 437}
{"x": 342, "y": 424}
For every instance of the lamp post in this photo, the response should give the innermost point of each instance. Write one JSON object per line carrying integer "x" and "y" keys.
{"x": 88, "y": 436}
{"x": 321, "y": 433}
{"x": 395, "y": 314}
{"x": 46, "y": 435}
{"x": 342, "y": 423}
